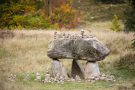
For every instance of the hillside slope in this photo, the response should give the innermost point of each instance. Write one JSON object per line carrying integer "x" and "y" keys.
{"x": 99, "y": 11}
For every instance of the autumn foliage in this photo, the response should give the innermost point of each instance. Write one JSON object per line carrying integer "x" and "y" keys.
{"x": 32, "y": 15}
{"x": 64, "y": 16}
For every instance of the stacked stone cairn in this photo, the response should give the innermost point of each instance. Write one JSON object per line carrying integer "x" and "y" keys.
{"x": 50, "y": 79}
{"x": 70, "y": 36}
{"x": 77, "y": 47}
{"x": 38, "y": 77}
{"x": 47, "y": 77}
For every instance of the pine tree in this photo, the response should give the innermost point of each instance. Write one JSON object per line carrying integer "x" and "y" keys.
{"x": 130, "y": 17}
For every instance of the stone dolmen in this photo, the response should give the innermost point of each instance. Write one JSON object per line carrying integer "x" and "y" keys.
{"x": 76, "y": 47}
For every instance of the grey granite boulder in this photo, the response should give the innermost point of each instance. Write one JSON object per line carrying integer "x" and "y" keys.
{"x": 92, "y": 69}
{"x": 58, "y": 68}
{"x": 77, "y": 47}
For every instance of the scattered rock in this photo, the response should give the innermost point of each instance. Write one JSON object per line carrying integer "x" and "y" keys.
{"x": 61, "y": 80}
{"x": 77, "y": 78}
{"x": 48, "y": 78}
{"x": 38, "y": 77}
{"x": 103, "y": 77}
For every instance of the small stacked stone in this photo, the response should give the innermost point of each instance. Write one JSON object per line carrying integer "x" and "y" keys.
{"x": 56, "y": 78}
{"x": 103, "y": 77}
{"x": 48, "y": 78}
{"x": 59, "y": 78}
{"x": 38, "y": 77}
{"x": 82, "y": 33}
{"x": 69, "y": 36}
{"x": 77, "y": 78}
{"x": 91, "y": 78}
{"x": 108, "y": 78}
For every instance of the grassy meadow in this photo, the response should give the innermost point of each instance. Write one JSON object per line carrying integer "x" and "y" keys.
{"x": 26, "y": 53}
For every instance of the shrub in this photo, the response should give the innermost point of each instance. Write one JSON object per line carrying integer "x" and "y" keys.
{"x": 126, "y": 61}
{"x": 13, "y": 16}
{"x": 129, "y": 17}
{"x": 130, "y": 21}
{"x": 18, "y": 16}
{"x": 37, "y": 22}
{"x": 115, "y": 24}
{"x": 18, "y": 21}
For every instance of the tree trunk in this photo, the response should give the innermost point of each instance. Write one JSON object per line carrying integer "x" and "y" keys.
{"x": 48, "y": 7}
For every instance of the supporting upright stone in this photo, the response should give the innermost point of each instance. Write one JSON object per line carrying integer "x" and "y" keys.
{"x": 58, "y": 68}
{"x": 77, "y": 69}
{"x": 91, "y": 69}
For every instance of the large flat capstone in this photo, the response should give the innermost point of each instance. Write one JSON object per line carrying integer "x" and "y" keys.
{"x": 77, "y": 47}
